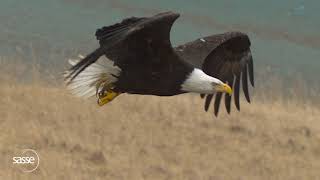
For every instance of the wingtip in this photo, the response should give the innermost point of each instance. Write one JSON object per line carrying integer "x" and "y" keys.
{"x": 207, "y": 102}
{"x": 217, "y": 103}
{"x": 252, "y": 84}
{"x": 172, "y": 14}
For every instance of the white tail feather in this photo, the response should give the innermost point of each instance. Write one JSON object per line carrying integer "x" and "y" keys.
{"x": 85, "y": 83}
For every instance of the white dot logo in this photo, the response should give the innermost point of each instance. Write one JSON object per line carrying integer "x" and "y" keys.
{"x": 28, "y": 161}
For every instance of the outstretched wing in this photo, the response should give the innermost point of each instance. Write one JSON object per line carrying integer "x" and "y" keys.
{"x": 134, "y": 38}
{"x": 226, "y": 57}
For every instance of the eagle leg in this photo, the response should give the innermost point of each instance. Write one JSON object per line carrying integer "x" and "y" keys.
{"x": 107, "y": 96}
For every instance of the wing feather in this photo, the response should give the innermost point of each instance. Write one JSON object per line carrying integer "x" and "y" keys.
{"x": 217, "y": 103}
{"x": 236, "y": 91}
{"x": 226, "y": 57}
{"x": 227, "y": 96}
{"x": 245, "y": 83}
{"x": 250, "y": 64}
{"x": 121, "y": 34}
{"x": 207, "y": 102}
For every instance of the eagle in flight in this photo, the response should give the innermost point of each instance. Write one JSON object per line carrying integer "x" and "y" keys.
{"x": 136, "y": 57}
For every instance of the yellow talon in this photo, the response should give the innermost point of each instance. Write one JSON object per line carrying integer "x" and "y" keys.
{"x": 106, "y": 97}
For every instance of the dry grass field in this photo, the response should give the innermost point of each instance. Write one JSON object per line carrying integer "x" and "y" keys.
{"x": 147, "y": 137}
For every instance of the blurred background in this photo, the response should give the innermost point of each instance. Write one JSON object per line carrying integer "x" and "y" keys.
{"x": 284, "y": 34}
{"x": 276, "y": 137}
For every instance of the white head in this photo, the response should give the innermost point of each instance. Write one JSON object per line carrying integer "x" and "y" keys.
{"x": 200, "y": 82}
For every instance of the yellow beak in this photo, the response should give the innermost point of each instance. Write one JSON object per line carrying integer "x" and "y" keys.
{"x": 225, "y": 88}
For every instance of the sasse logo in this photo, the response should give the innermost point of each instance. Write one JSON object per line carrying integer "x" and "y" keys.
{"x": 27, "y": 161}
{"x": 23, "y": 160}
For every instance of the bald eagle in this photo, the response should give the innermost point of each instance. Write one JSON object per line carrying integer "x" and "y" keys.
{"x": 136, "y": 57}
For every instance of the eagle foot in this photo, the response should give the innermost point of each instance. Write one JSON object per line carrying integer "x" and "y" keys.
{"x": 106, "y": 96}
